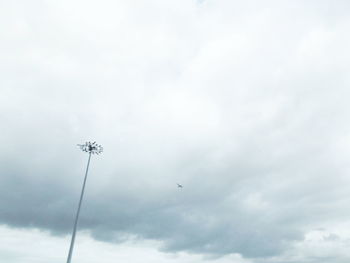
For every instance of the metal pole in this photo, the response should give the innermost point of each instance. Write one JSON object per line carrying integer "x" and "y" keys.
{"x": 78, "y": 211}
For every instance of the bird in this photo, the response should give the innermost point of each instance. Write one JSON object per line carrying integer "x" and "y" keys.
{"x": 179, "y": 185}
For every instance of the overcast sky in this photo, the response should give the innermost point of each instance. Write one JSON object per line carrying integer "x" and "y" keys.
{"x": 245, "y": 103}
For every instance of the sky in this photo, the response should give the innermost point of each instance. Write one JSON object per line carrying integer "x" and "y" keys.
{"x": 244, "y": 103}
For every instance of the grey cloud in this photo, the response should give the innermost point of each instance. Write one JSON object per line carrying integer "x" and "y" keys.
{"x": 244, "y": 104}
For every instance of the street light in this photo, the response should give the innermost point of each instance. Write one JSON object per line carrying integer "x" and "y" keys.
{"x": 91, "y": 148}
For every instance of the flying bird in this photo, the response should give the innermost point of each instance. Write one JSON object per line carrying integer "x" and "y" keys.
{"x": 179, "y": 185}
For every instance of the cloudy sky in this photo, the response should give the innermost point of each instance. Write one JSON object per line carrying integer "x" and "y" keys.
{"x": 245, "y": 103}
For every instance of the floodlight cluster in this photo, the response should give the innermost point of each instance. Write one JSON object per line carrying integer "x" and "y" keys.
{"x": 91, "y": 147}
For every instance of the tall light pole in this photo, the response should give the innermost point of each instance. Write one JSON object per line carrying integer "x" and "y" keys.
{"x": 90, "y": 148}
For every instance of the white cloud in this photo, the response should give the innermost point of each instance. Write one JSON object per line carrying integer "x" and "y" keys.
{"x": 244, "y": 103}
{"x": 32, "y": 246}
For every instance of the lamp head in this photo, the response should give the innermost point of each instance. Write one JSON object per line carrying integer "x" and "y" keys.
{"x": 91, "y": 147}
